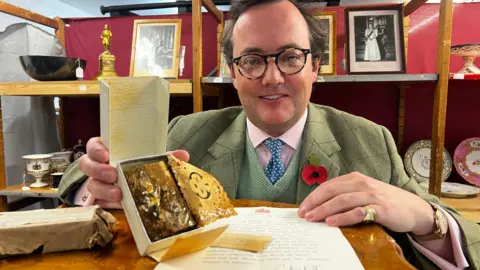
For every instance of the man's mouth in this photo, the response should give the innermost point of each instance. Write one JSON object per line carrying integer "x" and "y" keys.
{"x": 273, "y": 97}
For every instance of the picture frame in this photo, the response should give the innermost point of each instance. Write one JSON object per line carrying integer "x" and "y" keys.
{"x": 383, "y": 51}
{"x": 328, "y": 62}
{"x": 156, "y": 48}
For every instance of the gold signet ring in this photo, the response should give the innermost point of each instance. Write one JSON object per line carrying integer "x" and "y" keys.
{"x": 369, "y": 214}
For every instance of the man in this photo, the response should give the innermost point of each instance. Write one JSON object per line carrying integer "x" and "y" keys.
{"x": 260, "y": 150}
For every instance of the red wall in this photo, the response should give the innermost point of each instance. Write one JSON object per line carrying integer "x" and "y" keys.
{"x": 375, "y": 101}
{"x": 82, "y": 115}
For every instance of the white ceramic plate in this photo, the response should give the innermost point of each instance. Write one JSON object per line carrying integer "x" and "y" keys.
{"x": 455, "y": 190}
{"x": 417, "y": 161}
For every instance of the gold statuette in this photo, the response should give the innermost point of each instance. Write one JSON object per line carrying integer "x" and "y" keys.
{"x": 107, "y": 60}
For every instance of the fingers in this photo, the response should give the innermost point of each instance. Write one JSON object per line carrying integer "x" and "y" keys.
{"x": 180, "y": 154}
{"x": 325, "y": 192}
{"x": 339, "y": 204}
{"x": 353, "y": 182}
{"x": 103, "y": 191}
{"x": 100, "y": 171}
{"x": 97, "y": 151}
{"x": 352, "y": 217}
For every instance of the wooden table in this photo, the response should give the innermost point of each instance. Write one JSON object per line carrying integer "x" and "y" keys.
{"x": 374, "y": 247}
{"x": 468, "y": 207}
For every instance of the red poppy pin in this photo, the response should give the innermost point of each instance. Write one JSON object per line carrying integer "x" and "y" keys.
{"x": 313, "y": 172}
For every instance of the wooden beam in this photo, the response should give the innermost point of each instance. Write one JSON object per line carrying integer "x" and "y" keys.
{"x": 220, "y": 29}
{"x": 440, "y": 97}
{"x": 27, "y": 15}
{"x": 60, "y": 31}
{"x": 197, "y": 55}
{"x": 412, "y": 6}
{"x": 212, "y": 9}
{"x": 401, "y": 102}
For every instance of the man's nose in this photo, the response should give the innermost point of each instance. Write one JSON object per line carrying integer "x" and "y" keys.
{"x": 272, "y": 75}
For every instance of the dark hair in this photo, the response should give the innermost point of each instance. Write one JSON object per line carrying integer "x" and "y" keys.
{"x": 317, "y": 29}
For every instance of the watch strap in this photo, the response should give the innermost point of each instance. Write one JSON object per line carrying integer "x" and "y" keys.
{"x": 440, "y": 226}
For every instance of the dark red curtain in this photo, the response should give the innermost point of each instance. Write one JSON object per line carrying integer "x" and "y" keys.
{"x": 375, "y": 101}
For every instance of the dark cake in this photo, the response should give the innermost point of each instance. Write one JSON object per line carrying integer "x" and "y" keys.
{"x": 160, "y": 203}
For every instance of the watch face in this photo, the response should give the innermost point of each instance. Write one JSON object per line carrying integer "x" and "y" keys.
{"x": 441, "y": 223}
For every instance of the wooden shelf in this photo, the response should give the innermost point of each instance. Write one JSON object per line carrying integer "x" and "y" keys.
{"x": 16, "y": 190}
{"x": 350, "y": 78}
{"x": 75, "y": 88}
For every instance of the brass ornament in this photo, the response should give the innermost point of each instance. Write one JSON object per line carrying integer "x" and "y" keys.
{"x": 106, "y": 59}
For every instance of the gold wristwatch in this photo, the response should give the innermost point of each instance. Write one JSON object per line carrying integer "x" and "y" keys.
{"x": 441, "y": 226}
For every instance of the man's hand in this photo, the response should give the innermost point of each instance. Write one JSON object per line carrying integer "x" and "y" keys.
{"x": 102, "y": 176}
{"x": 341, "y": 202}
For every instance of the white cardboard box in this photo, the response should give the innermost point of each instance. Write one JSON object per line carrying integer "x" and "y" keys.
{"x": 134, "y": 116}
{"x": 144, "y": 245}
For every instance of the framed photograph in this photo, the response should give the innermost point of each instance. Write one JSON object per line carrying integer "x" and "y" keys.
{"x": 156, "y": 48}
{"x": 375, "y": 41}
{"x": 328, "y": 62}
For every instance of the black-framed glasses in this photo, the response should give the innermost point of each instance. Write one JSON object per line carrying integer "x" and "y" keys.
{"x": 289, "y": 61}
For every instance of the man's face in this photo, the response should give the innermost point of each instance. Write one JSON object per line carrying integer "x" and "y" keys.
{"x": 274, "y": 102}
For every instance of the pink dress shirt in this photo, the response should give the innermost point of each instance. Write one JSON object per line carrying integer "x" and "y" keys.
{"x": 292, "y": 140}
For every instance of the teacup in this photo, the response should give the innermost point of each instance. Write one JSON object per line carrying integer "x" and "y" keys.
{"x": 37, "y": 165}
{"x": 63, "y": 157}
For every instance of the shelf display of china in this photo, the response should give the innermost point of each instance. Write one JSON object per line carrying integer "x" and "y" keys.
{"x": 469, "y": 52}
{"x": 60, "y": 161}
{"x": 467, "y": 160}
{"x": 417, "y": 161}
{"x": 37, "y": 165}
{"x": 455, "y": 190}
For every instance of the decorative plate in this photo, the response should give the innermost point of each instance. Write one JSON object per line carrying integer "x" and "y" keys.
{"x": 417, "y": 161}
{"x": 467, "y": 160}
{"x": 455, "y": 190}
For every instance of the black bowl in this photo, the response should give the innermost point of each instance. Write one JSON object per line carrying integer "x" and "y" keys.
{"x": 51, "y": 68}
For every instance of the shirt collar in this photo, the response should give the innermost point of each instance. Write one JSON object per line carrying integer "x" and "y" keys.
{"x": 291, "y": 137}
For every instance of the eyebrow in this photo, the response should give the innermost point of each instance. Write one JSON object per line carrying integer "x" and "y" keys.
{"x": 259, "y": 50}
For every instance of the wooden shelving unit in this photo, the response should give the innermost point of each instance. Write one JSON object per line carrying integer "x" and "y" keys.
{"x": 394, "y": 78}
{"x": 16, "y": 190}
{"x": 75, "y": 88}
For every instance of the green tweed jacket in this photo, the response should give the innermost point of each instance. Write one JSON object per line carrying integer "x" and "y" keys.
{"x": 344, "y": 143}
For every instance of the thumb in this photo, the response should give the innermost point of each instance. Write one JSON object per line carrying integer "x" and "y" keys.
{"x": 180, "y": 154}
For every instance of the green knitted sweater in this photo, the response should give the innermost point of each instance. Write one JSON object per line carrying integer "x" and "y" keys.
{"x": 254, "y": 184}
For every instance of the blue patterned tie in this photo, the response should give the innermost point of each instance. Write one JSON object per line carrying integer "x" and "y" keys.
{"x": 275, "y": 169}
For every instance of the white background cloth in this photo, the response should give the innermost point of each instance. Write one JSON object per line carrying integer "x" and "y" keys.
{"x": 29, "y": 123}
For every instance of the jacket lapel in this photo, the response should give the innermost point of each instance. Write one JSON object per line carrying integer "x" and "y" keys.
{"x": 227, "y": 152}
{"x": 317, "y": 139}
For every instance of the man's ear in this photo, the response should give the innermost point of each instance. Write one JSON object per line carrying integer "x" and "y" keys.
{"x": 232, "y": 72}
{"x": 315, "y": 69}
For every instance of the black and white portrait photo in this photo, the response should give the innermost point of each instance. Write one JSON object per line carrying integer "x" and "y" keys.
{"x": 375, "y": 40}
{"x": 156, "y": 48}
